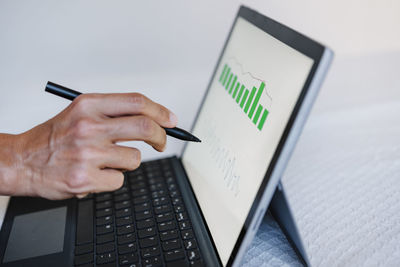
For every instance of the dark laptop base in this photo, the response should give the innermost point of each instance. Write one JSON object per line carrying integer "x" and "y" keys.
{"x": 64, "y": 256}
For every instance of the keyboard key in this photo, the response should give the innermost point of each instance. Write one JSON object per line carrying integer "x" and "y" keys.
{"x": 145, "y": 223}
{"x": 155, "y": 180}
{"x": 170, "y": 180}
{"x": 143, "y": 215}
{"x": 137, "y": 179}
{"x": 164, "y": 217}
{"x": 82, "y": 259}
{"x": 147, "y": 232}
{"x": 153, "y": 173}
{"x": 157, "y": 186}
{"x": 141, "y": 199}
{"x": 172, "y": 186}
{"x": 179, "y": 208}
{"x": 193, "y": 254}
{"x": 138, "y": 185}
{"x": 122, "y": 190}
{"x": 105, "y": 258}
{"x": 142, "y": 207}
{"x": 190, "y": 244}
{"x": 162, "y": 209}
{"x": 84, "y": 226}
{"x": 123, "y": 213}
{"x": 122, "y": 197}
{"x": 150, "y": 252}
{"x": 83, "y": 249}
{"x": 124, "y": 221}
{"x": 101, "y": 239}
{"x": 122, "y": 205}
{"x": 129, "y": 259}
{"x": 104, "y": 220}
{"x": 104, "y": 212}
{"x": 103, "y": 197}
{"x": 140, "y": 192}
{"x": 181, "y": 216}
{"x": 174, "y": 255}
{"x": 177, "y": 201}
{"x": 108, "y": 247}
{"x": 164, "y": 226}
{"x": 171, "y": 244}
{"x": 103, "y": 205}
{"x": 152, "y": 262}
{"x": 127, "y": 248}
{"x": 104, "y": 229}
{"x": 184, "y": 225}
{"x": 158, "y": 194}
{"x": 197, "y": 263}
{"x": 164, "y": 236}
{"x": 187, "y": 234}
{"x": 168, "y": 174}
{"x": 126, "y": 229}
{"x": 160, "y": 201}
{"x": 148, "y": 242}
{"x": 123, "y": 239}
{"x": 174, "y": 193}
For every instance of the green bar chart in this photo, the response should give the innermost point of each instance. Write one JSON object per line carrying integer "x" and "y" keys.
{"x": 247, "y": 99}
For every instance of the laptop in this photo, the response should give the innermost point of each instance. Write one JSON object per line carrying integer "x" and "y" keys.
{"x": 204, "y": 207}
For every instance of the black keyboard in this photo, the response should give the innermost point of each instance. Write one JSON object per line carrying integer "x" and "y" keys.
{"x": 144, "y": 223}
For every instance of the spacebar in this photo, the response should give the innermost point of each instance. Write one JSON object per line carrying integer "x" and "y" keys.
{"x": 84, "y": 226}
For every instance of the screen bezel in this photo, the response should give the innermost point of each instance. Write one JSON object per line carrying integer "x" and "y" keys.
{"x": 300, "y": 43}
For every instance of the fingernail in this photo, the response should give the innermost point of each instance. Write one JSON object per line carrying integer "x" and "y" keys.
{"x": 173, "y": 118}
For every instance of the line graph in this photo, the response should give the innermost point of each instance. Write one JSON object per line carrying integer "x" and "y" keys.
{"x": 243, "y": 72}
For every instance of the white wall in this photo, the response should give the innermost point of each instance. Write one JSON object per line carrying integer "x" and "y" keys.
{"x": 164, "y": 49}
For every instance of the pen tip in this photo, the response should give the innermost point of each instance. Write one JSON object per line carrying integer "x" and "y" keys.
{"x": 195, "y": 139}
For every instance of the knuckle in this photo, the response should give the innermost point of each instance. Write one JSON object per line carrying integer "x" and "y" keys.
{"x": 147, "y": 128}
{"x": 138, "y": 100}
{"x": 81, "y": 102}
{"x": 85, "y": 154}
{"x": 84, "y": 127}
{"x": 78, "y": 179}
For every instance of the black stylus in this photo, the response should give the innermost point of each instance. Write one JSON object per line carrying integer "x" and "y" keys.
{"x": 71, "y": 95}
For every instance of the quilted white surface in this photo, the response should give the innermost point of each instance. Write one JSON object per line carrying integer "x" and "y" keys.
{"x": 343, "y": 181}
{"x": 270, "y": 247}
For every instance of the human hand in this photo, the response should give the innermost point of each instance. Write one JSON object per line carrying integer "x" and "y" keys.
{"x": 75, "y": 153}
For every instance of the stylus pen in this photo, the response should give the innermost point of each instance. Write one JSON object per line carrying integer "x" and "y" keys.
{"x": 72, "y": 94}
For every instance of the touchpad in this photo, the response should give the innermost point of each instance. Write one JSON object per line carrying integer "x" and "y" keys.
{"x": 36, "y": 234}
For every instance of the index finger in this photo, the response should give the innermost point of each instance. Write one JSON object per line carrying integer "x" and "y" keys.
{"x": 123, "y": 104}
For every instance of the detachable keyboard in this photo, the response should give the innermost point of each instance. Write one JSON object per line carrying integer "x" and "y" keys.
{"x": 144, "y": 223}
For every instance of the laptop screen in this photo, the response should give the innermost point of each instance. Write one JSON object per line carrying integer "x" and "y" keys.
{"x": 250, "y": 99}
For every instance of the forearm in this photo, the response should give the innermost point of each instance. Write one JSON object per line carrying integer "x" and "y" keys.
{"x": 10, "y": 164}
{"x": 22, "y": 161}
